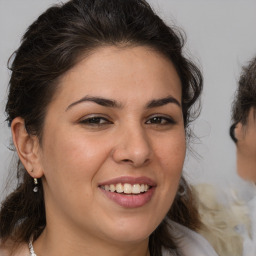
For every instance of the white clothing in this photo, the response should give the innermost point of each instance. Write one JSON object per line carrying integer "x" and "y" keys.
{"x": 190, "y": 243}
{"x": 250, "y": 242}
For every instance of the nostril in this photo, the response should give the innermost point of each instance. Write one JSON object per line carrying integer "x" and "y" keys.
{"x": 136, "y": 162}
{"x": 131, "y": 153}
{"x": 126, "y": 160}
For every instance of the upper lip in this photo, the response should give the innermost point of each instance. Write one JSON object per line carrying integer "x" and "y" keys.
{"x": 130, "y": 180}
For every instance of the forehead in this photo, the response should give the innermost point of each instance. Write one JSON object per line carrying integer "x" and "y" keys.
{"x": 126, "y": 70}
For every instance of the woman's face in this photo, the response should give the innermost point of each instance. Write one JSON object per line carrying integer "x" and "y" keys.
{"x": 246, "y": 147}
{"x": 113, "y": 145}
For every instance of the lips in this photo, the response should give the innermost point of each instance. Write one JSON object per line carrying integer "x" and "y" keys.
{"x": 129, "y": 192}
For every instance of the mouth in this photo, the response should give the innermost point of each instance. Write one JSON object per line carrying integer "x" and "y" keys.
{"x": 129, "y": 192}
{"x": 127, "y": 188}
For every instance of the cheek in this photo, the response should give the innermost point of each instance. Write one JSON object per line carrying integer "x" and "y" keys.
{"x": 246, "y": 162}
{"x": 246, "y": 146}
{"x": 251, "y": 142}
{"x": 74, "y": 158}
{"x": 171, "y": 154}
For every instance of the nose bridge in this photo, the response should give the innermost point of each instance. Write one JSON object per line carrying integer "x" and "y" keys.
{"x": 134, "y": 145}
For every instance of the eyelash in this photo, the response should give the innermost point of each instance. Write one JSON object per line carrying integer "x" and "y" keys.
{"x": 163, "y": 120}
{"x": 95, "y": 121}
{"x": 101, "y": 121}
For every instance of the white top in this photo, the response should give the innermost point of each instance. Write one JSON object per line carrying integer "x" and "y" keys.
{"x": 190, "y": 242}
{"x": 250, "y": 241}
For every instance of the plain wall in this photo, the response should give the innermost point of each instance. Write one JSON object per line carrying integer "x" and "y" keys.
{"x": 220, "y": 38}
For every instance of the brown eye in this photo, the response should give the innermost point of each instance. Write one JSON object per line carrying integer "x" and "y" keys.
{"x": 95, "y": 121}
{"x": 161, "y": 120}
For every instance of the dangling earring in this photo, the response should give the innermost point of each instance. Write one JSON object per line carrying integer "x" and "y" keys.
{"x": 182, "y": 188}
{"x": 35, "y": 189}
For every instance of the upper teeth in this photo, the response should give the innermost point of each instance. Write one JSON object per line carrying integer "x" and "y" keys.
{"x": 126, "y": 188}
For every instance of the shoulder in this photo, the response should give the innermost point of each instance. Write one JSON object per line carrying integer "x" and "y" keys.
{"x": 9, "y": 248}
{"x": 191, "y": 243}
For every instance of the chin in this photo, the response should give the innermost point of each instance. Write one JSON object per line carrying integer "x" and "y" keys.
{"x": 131, "y": 234}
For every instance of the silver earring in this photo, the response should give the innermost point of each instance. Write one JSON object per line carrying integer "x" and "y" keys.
{"x": 182, "y": 191}
{"x": 35, "y": 189}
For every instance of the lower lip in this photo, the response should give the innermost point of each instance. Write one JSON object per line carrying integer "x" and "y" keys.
{"x": 130, "y": 201}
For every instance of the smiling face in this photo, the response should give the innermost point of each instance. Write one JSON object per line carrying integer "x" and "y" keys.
{"x": 113, "y": 146}
{"x": 246, "y": 147}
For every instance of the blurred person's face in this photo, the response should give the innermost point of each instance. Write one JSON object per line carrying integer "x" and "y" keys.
{"x": 246, "y": 147}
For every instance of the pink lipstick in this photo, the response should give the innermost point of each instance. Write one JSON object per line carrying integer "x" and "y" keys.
{"x": 129, "y": 192}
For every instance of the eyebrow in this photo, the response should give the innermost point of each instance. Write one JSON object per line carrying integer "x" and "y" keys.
{"x": 162, "y": 102}
{"x": 114, "y": 104}
{"x": 98, "y": 100}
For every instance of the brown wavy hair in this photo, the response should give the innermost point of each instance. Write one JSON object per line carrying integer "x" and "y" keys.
{"x": 51, "y": 46}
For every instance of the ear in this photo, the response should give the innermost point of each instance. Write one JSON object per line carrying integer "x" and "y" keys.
{"x": 28, "y": 148}
{"x": 239, "y": 131}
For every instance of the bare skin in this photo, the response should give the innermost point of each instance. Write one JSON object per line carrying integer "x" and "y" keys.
{"x": 11, "y": 249}
{"x": 116, "y": 116}
{"x": 246, "y": 147}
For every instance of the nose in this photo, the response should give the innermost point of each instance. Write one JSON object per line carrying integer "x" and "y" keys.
{"x": 133, "y": 147}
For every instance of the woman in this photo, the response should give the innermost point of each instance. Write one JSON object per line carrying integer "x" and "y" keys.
{"x": 99, "y": 106}
{"x": 243, "y": 133}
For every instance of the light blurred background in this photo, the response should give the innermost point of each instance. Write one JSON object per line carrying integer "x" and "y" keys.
{"x": 221, "y": 38}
